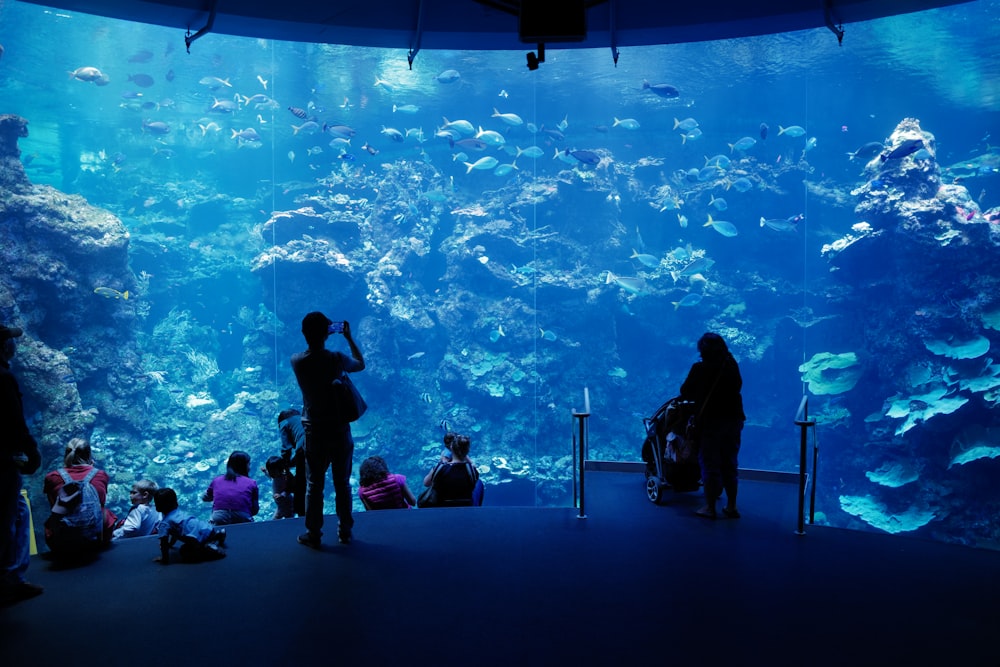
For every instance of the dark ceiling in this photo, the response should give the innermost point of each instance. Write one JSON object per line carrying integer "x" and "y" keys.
{"x": 494, "y": 24}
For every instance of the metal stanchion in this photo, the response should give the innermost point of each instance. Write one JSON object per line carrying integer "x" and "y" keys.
{"x": 581, "y": 452}
{"x": 803, "y": 422}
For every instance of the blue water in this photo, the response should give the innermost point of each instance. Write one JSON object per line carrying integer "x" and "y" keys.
{"x": 430, "y": 260}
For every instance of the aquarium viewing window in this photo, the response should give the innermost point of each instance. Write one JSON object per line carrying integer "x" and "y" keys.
{"x": 501, "y": 238}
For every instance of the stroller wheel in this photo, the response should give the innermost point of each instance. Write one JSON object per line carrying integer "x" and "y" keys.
{"x": 654, "y": 489}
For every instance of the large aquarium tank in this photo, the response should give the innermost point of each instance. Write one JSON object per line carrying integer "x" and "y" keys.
{"x": 501, "y": 239}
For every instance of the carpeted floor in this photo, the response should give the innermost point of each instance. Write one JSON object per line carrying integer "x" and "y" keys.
{"x": 632, "y": 584}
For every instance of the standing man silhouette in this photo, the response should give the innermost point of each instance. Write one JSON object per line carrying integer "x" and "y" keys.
{"x": 328, "y": 438}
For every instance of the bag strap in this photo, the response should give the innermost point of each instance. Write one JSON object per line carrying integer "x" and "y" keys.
{"x": 90, "y": 475}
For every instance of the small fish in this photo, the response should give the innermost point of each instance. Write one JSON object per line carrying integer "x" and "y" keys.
{"x": 382, "y": 83}
{"x": 721, "y": 161}
{"x": 213, "y": 126}
{"x": 392, "y": 133}
{"x": 696, "y": 267}
{"x": 214, "y": 82}
{"x": 510, "y": 118}
{"x": 586, "y": 157}
{"x": 533, "y": 152}
{"x": 248, "y": 134}
{"x": 155, "y": 127}
{"x": 141, "y": 80}
{"x": 810, "y": 144}
{"x": 718, "y": 203}
{"x": 371, "y": 150}
{"x": 661, "y": 89}
{"x": 469, "y": 143}
{"x": 462, "y": 126}
{"x": 645, "y": 259}
{"x": 223, "y": 106}
{"x": 347, "y": 157}
{"x": 405, "y": 108}
{"x": 627, "y": 123}
{"x": 504, "y": 94}
{"x": 685, "y": 125}
{"x": 86, "y": 74}
{"x": 722, "y": 226}
{"x": 781, "y": 224}
{"x": 291, "y": 156}
{"x": 262, "y": 81}
{"x": 298, "y": 113}
{"x": 743, "y": 144}
{"x": 763, "y": 131}
{"x": 741, "y": 184}
{"x": 341, "y": 131}
{"x": 448, "y": 76}
{"x": 682, "y": 220}
{"x": 563, "y": 124}
{"x": 693, "y": 135}
{"x": 547, "y": 335}
{"x": 793, "y": 131}
{"x": 908, "y": 147}
{"x": 690, "y": 299}
{"x": 110, "y": 293}
{"x": 309, "y": 127}
{"x": 315, "y": 150}
{"x": 415, "y": 355}
{"x": 482, "y": 163}
{"x": 867, "y": 151}
{"x": 635, "y": 286}
{"x": 490, "y": 137}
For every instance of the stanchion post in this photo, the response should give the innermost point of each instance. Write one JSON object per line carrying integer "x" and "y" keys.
{"x": 582, "y": 452}
{"x": 803, "y": 422}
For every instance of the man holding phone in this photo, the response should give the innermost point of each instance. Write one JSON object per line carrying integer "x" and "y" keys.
{"x": 328, "y": 439}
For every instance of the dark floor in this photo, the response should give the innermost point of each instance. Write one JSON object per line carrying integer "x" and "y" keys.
{"x": 631, "y": 584}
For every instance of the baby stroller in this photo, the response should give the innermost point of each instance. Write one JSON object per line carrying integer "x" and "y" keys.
{"x": 671, "y": 461}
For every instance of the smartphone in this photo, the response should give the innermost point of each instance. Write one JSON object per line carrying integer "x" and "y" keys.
{"x": 336, "y": 327}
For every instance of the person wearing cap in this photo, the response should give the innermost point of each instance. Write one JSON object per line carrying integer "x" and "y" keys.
{"x": 18, "y": 455}
{"x": 328, "y": 439}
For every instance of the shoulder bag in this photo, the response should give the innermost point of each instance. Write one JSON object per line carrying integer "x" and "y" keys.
{"x": 347, "y": 399}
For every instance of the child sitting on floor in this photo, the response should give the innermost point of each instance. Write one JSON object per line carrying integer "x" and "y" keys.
{"x": 199, "y": 539}
{"x": 142, "y": 518}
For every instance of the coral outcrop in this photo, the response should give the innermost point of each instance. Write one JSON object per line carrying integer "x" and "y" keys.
{"x": 67, "y": 283}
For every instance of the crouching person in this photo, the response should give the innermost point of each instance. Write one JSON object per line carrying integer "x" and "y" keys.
{"x": 200, "y": 540}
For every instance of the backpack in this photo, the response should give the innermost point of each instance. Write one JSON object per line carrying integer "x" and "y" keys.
{"x": 82, "y": 527}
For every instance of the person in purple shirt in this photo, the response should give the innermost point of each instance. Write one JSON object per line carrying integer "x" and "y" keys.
{"x": 234, "y": 496}
{"x": 381, "y": 489}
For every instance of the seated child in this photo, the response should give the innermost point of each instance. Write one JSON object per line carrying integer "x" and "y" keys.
{"x": 142, "y": 518}
{"x": 382, "y": 490}
{"x": 281, "y": 486}
{"x": 199, "y": 539}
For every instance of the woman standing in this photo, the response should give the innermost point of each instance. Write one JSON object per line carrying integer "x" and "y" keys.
{"x": 714, "y": 384}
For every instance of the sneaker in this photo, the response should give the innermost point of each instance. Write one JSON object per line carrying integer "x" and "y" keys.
{"x": 707, "y": 512}
{"x": 344, "y": 536}
{"x": 219, "y": 537}
{"x": 213, "y": 552}
{"x": 731, "y": 513}
{"x": 309, "y": 540}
